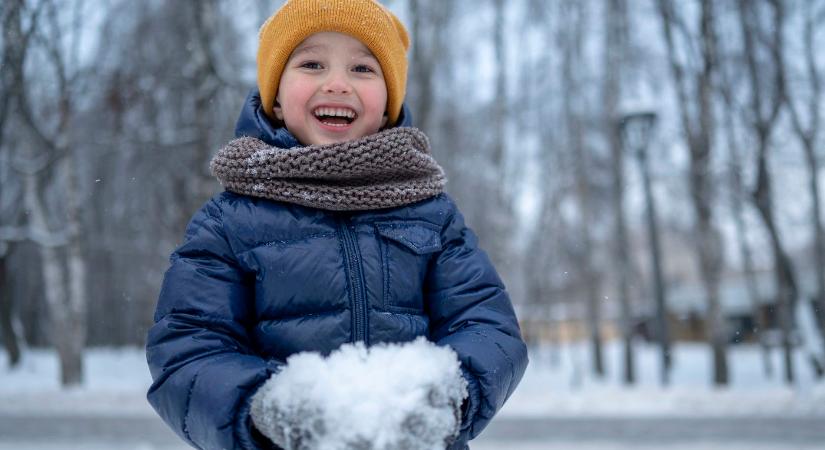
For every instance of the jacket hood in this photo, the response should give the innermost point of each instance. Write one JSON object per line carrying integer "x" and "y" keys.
{"x": 252, "y": 122}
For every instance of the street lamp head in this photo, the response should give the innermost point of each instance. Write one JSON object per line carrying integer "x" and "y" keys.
{"x": 636, "y": 129}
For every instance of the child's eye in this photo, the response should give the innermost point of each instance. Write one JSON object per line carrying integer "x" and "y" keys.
{"x": 310, "y": 65}
{"x": 363, "y": 68}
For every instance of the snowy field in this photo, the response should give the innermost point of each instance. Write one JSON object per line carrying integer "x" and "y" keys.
{"x": 473, "y": 445}
{"x": 558, "y": 383}
{"x": 556, "y": 392}
{"x": 554, "y": 385}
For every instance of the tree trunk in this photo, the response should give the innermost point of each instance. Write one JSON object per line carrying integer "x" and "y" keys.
{"x": 10, "y": 339}
{"x": 423, "y": 57}
{"x": 737, "y": 199}
{"x": 786, "y": 292}
{"x": 662, "y": 329}
{"x": 702, "y": 188}
{"x": 737, "y": 202}
{"x": 76, "y": 269}
{"x": 574, "y": 130}
{"x": 501, "y": 209}
{"x": 698, "y": 123}
{"x": 615, "y": 47}
{"x": 819, "y": 240}
{"x": 65, "y": 334}
{"x": 711, "y": 264}
{"x": 767, "y": 98}
{"x": 808, "y": 137}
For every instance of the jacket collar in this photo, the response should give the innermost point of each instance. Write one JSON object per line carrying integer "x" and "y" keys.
{"x": 252, "y": 122}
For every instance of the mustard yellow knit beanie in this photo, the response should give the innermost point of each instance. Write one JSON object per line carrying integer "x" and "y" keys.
{"x": 366, "y": 20}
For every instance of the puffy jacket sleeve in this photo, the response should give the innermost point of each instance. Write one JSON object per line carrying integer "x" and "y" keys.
{"x": 471, "y": 312}
{"x": 199, "y": 353}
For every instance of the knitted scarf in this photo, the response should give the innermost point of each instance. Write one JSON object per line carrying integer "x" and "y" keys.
{"x": 383, "y": 170}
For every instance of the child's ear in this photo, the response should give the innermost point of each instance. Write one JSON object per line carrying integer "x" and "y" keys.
{"x": 384, "y": 121}
{"x": 277, "y": 110}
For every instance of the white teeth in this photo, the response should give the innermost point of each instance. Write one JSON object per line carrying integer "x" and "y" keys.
{"x": 334, "y": 112}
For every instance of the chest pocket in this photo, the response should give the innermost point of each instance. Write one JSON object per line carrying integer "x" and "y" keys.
{"x": 406, "y": 249}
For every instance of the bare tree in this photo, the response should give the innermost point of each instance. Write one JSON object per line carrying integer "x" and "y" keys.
{"x": 766, "y": 87}
{"x": 185, "y": 97}
{"x": 50, "y": 155}
{"x": 429, "y": 20}
{"x": 13, "y": 43}
{"x": 615, "y": 47}
{"x": 809, "y": 135}
{"x": 543, "y": 258}
{"x": 696, "y": 85}
{"x": 572, "y": 41}
{"x": 499, "y": 220}
{"x": 737, "y": 198}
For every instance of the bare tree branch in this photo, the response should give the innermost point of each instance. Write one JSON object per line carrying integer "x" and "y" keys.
{"x": 668, "y": 15}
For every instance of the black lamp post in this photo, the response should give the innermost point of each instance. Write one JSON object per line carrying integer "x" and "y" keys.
{"x": 636, "y": 129}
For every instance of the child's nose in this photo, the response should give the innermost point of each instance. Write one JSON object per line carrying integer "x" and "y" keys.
{"x": 337, "y": 83}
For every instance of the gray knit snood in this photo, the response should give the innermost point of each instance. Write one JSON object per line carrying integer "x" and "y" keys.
{"x": 383, "y": 170}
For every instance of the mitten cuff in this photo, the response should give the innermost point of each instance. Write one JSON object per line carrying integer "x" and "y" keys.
{"x": 260, "y": 418}
{"x": 248, "y": 436}
{"x": 470, "y": 406}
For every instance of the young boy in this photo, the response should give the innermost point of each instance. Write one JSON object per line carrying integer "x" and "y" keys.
{"x": 333, "y": 229}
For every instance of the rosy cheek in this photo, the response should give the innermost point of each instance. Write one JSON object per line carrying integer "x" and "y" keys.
{"x": 300, "y": 93}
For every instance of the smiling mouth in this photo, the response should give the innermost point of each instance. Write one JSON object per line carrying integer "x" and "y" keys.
{"x": 335, "y": 117}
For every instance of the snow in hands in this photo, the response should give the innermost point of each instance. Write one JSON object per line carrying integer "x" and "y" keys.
{"x": 388, "y": 396}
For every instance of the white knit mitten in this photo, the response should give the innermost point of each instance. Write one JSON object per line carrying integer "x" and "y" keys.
{"x": 289, "y": 426}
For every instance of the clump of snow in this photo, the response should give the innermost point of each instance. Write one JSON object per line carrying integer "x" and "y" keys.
{"x": 385, "y": 397}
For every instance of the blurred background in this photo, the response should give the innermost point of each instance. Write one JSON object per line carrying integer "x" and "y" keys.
{"x": 644, "y": 173}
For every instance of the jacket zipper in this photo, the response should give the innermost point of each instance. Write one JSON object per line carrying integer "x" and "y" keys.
{"x": 358, "y": 295}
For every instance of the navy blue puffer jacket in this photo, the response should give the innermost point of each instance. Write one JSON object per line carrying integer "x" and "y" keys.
{"x": 257, "y": 280}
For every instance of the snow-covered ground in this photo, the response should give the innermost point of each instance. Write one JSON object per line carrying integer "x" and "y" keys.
{"x": 566, "y": 388}
{"x": 557, "y": 392}
{"x": 475, "y": 446}
{"x": 117, "y": 379}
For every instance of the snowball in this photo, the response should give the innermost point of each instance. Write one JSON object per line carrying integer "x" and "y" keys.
{"x": 389, "y": 396}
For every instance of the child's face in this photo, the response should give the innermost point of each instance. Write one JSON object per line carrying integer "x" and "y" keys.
{"x": 331, "y": 90}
